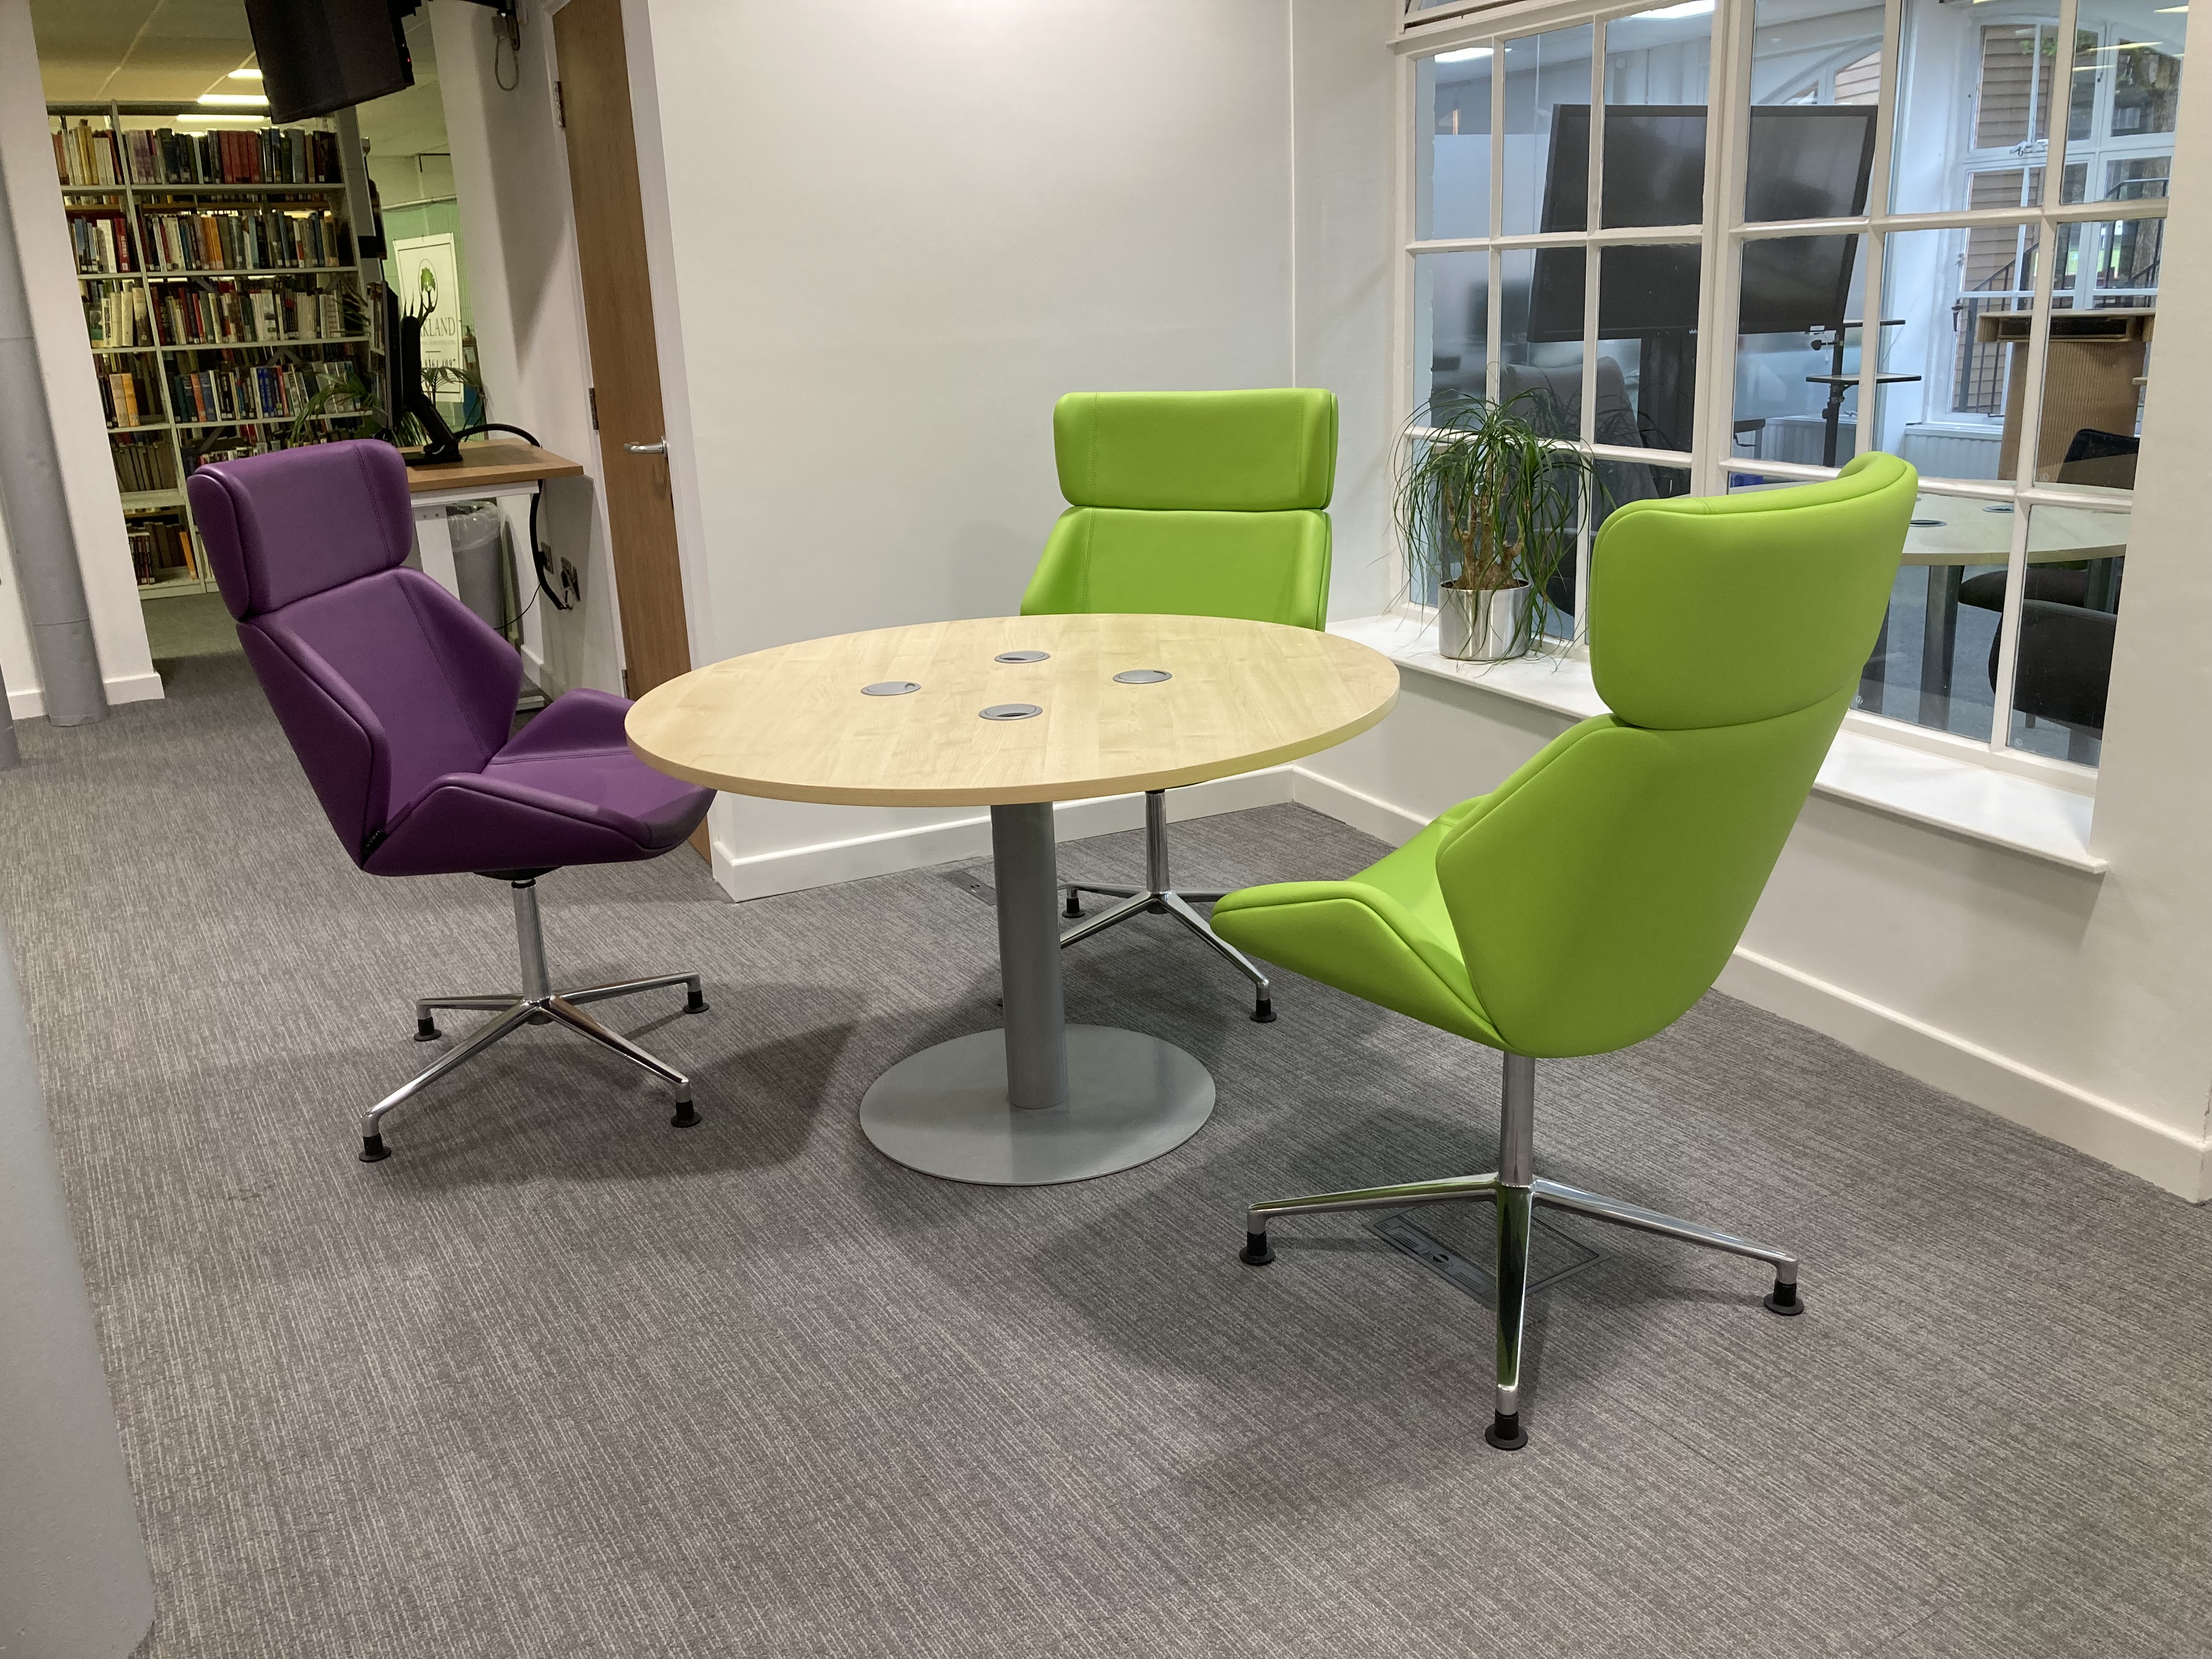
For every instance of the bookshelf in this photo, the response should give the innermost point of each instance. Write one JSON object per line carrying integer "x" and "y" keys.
{"x": 226, "y": 311}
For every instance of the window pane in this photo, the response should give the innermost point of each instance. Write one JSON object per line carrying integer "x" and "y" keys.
{"x": 2126, "y": 94}
{"x": 1958, "y": 296}
{"x": 1547, "y": 94}
{"x": 1451, "y": 315}
{"x": 1540, "y": 341}
{"x": 1791, "y": 349}
{"x": 1647, "y": 362}
{"x": 1656, "y": 66}
{"x": 1973, "y": 113}
{"x": 2068, "y": 609}
{"x": 1929, "y": 666}
{"x": 1816, "y": 77}
{"x": 2102, "y": 294}
{"x": 1452, "y": 135}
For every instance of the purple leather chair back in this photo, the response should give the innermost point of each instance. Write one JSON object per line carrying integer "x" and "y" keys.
{"x": 383, "y": 681}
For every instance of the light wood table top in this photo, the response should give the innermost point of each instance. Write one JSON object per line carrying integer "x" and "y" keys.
{"x": 489, "y": 465}
{"x": 792, "y": 724}
{"x": 1970, "y": 534}
{"x": 1967, "y": 532}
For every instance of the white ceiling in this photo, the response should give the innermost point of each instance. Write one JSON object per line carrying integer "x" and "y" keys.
{"x": 135, "y": 51}
{"x": 173, "y": 50}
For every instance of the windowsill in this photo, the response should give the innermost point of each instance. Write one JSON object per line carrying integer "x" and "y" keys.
{"x": 2040, "y": 819}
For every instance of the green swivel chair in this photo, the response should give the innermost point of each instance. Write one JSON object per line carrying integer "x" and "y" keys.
{"x": 1589, "y": 900}
{"x": 1196, "y": 504}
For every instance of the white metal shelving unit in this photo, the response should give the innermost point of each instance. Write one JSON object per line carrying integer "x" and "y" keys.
{"x": 186, "y": 444}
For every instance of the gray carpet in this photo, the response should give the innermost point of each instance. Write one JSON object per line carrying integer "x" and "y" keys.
{"x": 189, "y": 625}
{"x": 560, "y": 1381}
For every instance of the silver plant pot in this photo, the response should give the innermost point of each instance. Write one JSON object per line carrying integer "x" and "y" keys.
{"x": 1483, "y": 624}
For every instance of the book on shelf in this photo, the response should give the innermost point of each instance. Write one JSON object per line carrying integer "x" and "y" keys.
{"x": 143, "y": 465}
{"x": 161, "y": 550}
{"x": 86, "y": 152}
{"x": 101, "y": 238}
{"x": 240, "y": 239}
{"x": 263, "y": 392}
{"x": 274, "y": 155}
{"x": 214, "y": 311}
{"x": 115, "y": 314}
{"x": 123, "y": 402}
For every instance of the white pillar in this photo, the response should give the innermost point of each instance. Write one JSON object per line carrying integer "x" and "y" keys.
{"x": 74, "y": 1583}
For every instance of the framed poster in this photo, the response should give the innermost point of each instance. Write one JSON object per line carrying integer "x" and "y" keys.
{"x": 426, "y": 272}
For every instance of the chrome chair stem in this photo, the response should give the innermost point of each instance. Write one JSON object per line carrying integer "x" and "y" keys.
{"x": 372, "y": 1138}
{"x": 1452, "y": 1190}
{"x": 538, "y": 1005}
{"x": 1159, "y": 895}
{"x": 1075, "y": 887}
{"x": 1505, "y": 1431}
{"x": 1180, "y": 910}
{"x": 1514, "y": 1191}
{"x": 1614, "y": 1210}
{"x": 577, "y": 1020}
{"x": 1105, "y": 919}
{"x": 695, "y": 1000}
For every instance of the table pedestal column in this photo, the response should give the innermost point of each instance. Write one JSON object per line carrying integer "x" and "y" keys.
{"x": 1026, "y": 871}
{"x": 1042, "y": 1101}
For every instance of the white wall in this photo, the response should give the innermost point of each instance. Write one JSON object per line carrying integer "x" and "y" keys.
{"x": 900, "y": 232}
{"x": 517, "y": 232}
{"x": 80, "y": 430}
{"x": 1345, "y": 166}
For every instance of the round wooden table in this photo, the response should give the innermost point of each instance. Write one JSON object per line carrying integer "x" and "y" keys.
{"x": 1014, "y": 714}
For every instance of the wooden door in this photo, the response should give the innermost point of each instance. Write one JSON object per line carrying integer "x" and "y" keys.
{"x": 603, "y": 182}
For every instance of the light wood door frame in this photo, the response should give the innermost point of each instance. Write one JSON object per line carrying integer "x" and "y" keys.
{"x": 626, "y": 407}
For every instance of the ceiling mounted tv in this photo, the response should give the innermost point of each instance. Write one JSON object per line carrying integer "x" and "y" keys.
{"x": 317, "y": 56}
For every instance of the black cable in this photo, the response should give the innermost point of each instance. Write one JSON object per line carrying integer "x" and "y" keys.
{"x": 507, "y": 29}
{"x": 537, "y": 553}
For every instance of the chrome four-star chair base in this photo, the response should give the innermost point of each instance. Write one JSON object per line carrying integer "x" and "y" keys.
{"x": 1514, "y": 1190}
{"x": 1160, "y": 899}
{"x": 537, "y": 1004}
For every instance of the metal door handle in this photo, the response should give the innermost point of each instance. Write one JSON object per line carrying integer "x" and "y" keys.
{"x": 658, "y": 446}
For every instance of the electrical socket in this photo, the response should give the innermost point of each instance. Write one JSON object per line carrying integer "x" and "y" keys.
{"x": 572, "y": 586}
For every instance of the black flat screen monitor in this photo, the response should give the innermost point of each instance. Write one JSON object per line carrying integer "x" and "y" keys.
{"x": 1807, "y": 161}
{"x": 317, "y": 56}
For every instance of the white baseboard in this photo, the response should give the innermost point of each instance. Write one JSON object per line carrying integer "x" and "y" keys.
{"x": 2106, "y": 1129}
{"x": 533, "y": 663}
{"x": 30, "y": 703}
{"x": 1378, "y": 819}
{"x": 790, "y": 870}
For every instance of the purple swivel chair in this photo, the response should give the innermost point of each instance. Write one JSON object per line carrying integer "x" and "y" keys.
{"x": 398, "y": 701}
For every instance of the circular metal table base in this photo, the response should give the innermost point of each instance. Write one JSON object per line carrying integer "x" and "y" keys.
{"x": 944, "y": 1111}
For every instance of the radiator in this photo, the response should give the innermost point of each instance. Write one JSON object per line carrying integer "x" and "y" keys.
{"x": 1947, "y": 453}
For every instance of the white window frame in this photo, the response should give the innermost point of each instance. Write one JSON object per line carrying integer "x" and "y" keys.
{"x": 1710, "y": 459}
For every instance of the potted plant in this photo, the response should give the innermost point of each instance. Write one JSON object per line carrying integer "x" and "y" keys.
{"x": 1487, "y": 505}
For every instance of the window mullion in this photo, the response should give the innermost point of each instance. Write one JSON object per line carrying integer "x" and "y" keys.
{"x": 1408, "y": 329}
{"x": 1874, "y": 304}
{"x": 1494, "y": 307}
{"x": 1711, "y": 434}
{"x": 2031, "y": 402}
{"x": 1593, "y": 257}
{"x": 1728, "y": 129}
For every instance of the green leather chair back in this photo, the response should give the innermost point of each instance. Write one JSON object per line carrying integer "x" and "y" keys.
{"x": 1598, "y": 892}
{"x": 1197, "y": 503}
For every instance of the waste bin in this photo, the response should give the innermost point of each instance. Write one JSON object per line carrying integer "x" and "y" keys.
{"x": 480, "y": 564}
